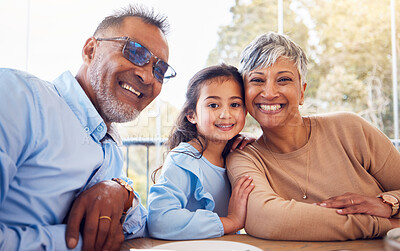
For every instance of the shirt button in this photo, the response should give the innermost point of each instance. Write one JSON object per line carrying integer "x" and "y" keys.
{"x": 86, "y": 129}
{"x": 100, "y": 128}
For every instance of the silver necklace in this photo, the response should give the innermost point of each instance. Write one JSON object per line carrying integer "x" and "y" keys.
{"x": 304, "y": 191}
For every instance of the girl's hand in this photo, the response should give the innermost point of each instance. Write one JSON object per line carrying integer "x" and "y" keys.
{"x": 241, "y": 140}
{"x": 238, "y": 205}
{"x": 351, "y": 203}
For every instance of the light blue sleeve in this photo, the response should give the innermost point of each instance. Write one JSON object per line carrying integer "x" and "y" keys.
{"x": 17, "y": 140}
{"x": 34, "y": 238}
{"x": 16, "y": 129}
{"x": 134, "y": 224}
{"x": 169, "y": 219}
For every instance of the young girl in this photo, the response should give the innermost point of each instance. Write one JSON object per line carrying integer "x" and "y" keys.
{"x": 192, "y": 198}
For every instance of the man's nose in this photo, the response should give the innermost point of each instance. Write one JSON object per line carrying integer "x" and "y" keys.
{"x": 145, "y": 73}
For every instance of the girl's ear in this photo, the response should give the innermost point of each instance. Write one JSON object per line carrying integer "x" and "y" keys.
{"x": 191, "y": 117}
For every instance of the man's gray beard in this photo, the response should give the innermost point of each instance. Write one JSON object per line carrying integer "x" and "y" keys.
{"x": 110, "y": 107}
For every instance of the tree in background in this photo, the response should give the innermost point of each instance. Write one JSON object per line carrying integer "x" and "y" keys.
{"x": 348, "y": 43}
{"x": 353, "y": 68}
{"x": 250, "y": 19}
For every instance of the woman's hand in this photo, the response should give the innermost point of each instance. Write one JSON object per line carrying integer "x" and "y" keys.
{"x": 238, "y": 205}
{"x": 351, "y": 203}
{"x": 395, "y": 222}
{"x": 241, "y": 140}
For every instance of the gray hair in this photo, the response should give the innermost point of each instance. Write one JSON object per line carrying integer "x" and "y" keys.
{"x": 263, "y": 52}
{"x": 147, "y": 15}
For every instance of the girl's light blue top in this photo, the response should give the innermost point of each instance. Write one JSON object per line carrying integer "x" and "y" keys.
{"x": 189, "y": 197}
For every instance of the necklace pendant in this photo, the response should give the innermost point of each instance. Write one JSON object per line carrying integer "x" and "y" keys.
{"x": 304, "y": 196}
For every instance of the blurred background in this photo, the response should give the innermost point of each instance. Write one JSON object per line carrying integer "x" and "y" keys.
{"x": 352, "y": 46}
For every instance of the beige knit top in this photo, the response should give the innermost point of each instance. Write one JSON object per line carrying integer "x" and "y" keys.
{"x": 347, "y": 154}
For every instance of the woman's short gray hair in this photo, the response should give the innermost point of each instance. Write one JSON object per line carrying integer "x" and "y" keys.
{"x": 263, "y": 52}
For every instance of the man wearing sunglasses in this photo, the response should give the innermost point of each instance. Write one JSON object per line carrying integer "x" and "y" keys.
{"x": 61, "y": 178}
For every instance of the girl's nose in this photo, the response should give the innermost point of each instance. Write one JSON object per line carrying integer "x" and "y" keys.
{"x": 225, "y": 114}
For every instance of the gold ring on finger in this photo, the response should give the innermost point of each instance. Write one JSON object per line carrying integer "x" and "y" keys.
{"x": 105, "y": 217}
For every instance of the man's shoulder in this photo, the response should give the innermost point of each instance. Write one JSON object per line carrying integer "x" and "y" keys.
{"x": 14, "y": 80}
{"x": 8, "y": 73}
{"x": 13, "y": 72}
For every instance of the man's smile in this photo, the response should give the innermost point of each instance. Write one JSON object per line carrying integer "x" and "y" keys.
{"x": 130, "y": 88}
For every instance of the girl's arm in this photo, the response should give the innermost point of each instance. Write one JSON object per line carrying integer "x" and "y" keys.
{"x": 169, "y": 219}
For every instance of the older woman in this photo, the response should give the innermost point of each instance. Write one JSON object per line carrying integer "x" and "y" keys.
{"x": 318, "y": 178}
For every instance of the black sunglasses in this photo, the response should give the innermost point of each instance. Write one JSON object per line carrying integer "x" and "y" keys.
{"x": 140, "y": 55}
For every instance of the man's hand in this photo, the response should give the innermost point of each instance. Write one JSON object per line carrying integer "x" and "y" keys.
{"x": 351, "y": 203}
{"x": 106, "y": 198}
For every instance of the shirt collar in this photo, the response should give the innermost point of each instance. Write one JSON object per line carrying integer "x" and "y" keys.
{"x": 80, "y": 104}
{"x": 113, "y": 132}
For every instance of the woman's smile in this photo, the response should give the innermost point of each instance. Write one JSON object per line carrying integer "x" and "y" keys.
{"x": 273, "y": 108}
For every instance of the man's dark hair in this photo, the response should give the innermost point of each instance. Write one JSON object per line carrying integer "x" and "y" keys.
{"x": 147, "y": 15}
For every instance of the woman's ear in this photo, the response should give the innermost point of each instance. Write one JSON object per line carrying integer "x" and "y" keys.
{"x": 191, "y": 117}
{"x": 303, "y": 90}
{"x": 88, "y": 50}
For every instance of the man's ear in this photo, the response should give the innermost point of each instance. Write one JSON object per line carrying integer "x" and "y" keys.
{"x": 88, "y": 50}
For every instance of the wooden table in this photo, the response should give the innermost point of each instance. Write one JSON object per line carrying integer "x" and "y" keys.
{"x": 376, "y": 244}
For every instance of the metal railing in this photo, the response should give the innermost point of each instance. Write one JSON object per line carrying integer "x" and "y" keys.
{"x": 147, "y": 142}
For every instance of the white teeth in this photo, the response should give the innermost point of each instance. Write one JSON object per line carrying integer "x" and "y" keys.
{"x": 129, "y": 88}
{"x": 223, "y": 126}
{"x": 270, "y": 107}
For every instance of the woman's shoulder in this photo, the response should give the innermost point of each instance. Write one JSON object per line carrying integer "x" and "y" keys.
{"x": 332, "y": 116}
{"x": 344, "y": 124}
{"x": 257, "y": 148}
{"x": 339, "y": 119}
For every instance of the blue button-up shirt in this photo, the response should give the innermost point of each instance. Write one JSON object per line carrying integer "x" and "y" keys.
{"x": 53, "y": 145}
